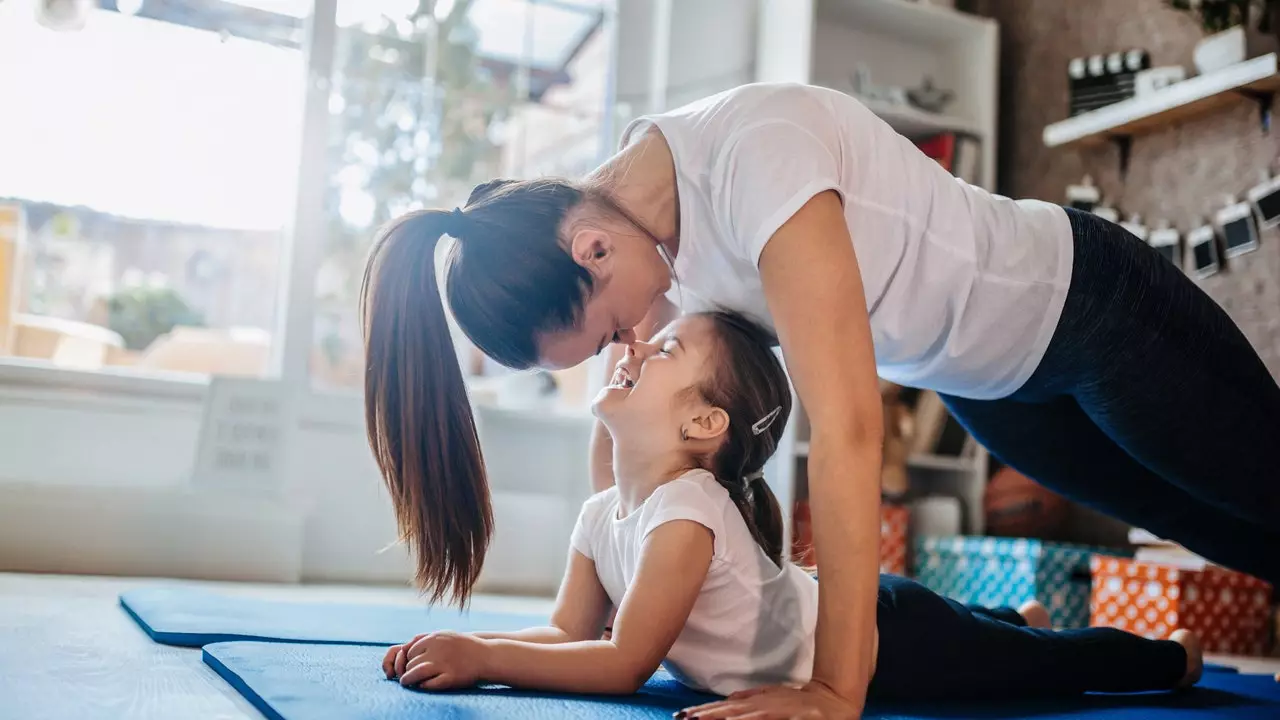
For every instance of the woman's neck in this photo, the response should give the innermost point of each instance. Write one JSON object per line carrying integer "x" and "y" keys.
{"x": 637, "y": 473}
{"x": 642, "y": 178}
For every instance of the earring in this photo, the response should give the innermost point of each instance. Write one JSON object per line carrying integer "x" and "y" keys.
{"x": 684, "y": 434}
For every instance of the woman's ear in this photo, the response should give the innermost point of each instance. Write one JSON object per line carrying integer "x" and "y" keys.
{"x": 594, "y": 250}
{"x": 709, "y": 424}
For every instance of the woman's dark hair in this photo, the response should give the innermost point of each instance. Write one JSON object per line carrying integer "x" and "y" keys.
{"x": 508, "y": 279}
{"x": 749, "y": 383}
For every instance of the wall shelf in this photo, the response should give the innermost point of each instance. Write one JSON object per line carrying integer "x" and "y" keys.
{"x": 914, "y": 123}
{"x": 1255, "y": 79}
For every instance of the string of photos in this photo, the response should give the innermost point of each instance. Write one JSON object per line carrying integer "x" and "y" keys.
{"x": 1230, "y": 231}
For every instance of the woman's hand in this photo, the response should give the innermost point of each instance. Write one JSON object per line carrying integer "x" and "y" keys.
{"x": 777, "y": 702}
{"x": 445, "y": 660}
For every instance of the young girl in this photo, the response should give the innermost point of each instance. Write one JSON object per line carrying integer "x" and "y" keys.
{"x": 688, "y": 546}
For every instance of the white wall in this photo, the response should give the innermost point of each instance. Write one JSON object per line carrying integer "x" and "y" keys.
{"x": 94, "y": 470}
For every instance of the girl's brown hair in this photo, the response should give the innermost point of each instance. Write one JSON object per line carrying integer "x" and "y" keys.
{"x": 749, "y": 383}
{"x": 508, "y": 280}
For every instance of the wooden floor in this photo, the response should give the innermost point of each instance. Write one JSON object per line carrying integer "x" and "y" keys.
{"x": 67, "y": 650}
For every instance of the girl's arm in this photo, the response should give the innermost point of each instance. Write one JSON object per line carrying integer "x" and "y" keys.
{"x": 579, "y": 614}
{"x": 601, "y": 451}
{"x": 673, "y": 566}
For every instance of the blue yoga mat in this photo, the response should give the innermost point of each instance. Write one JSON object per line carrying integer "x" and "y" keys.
{"x": 175, "y": 615}
{"x": 297, "y": 682}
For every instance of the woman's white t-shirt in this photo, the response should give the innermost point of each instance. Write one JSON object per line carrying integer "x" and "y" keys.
{"x": 964, "y": 288}
{"x": 752, "y": 624}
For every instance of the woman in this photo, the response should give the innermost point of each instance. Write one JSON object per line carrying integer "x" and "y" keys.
{"x": 1070, "y": 349}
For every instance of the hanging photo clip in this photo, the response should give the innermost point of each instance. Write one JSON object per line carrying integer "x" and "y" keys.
{"x": 1265, "y": 198}
{"x": 1203, "y": 247}
{"x": 1084, "y": 196}
{"x": 1134, "y": 225}
{"x": 1166, "y": 240}
{"x": 1239, "y": 233}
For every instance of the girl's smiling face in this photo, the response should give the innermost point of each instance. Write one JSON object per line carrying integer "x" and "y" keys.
{"x": 653, "y": 391}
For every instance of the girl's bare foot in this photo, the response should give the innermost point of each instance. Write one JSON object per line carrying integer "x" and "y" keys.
{"x": 1036, "y": 615}
{"x": 1195, "y": 656}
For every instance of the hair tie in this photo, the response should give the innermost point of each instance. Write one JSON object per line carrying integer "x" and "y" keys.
{"x": 752, "y": 477}
{"x": 763, "y": 423}
{"x": 456, "y": 223}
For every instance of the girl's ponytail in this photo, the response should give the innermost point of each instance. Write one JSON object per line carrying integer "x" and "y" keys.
{"x": 766, "y": 518}
{"x": 418, "y": 416}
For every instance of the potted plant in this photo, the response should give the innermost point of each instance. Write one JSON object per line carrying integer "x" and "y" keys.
{"x": 1228, "y": 23}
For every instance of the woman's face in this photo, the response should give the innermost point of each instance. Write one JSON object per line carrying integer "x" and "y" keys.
{"x": 629, "y": 275}
{"x": 651, "y": 390}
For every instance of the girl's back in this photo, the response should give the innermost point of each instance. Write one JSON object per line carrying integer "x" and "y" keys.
{"x": 752, "y": 624}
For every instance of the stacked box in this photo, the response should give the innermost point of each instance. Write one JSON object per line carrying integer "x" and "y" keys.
{"x": 1228, "y": 610}
{"x": 1007, "y": 572}
{"x": 894, "y": 531}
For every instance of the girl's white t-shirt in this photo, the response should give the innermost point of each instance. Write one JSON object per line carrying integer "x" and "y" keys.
{"x": 752, "y": 624}
{"x": 963, "y": 287}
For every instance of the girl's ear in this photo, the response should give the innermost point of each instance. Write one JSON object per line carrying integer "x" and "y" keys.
{"x": 594, "y": 250}
{"x": 708, "y": 424}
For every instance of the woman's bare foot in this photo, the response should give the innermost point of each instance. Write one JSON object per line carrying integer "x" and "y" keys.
{"x": 1036, "y": 615}
{"x": 1195, "y": 656}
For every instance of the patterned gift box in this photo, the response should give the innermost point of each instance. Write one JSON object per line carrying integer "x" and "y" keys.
{"x": 894, "y": 522}
{"x": 1007, "y": 572}
{"x": 1227, "y": 609}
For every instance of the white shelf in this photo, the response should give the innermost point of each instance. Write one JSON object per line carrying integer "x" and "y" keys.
{"x": 923, "y": 461}
{"x": 1180, "y": 101}
{"x": 906, "y": 18}
{"x": 915, "y": 123}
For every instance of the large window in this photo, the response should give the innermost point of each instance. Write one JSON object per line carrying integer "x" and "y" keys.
{"x": 429, "y": 99}
{"x": 148, "y": 154}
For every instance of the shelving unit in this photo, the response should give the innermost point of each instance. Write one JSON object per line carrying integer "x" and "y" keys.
{"x": 1255, "y": 79}
{"x": 901, "y": 42}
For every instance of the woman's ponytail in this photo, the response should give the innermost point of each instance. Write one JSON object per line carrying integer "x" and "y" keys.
{"x": 418, "y": 416}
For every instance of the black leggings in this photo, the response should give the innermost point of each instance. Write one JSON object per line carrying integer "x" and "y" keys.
{"x": 1149, "y": 405}
{"x": 933, "y": 648}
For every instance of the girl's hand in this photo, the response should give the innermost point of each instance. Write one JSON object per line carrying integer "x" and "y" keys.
{"x": 397, "y": 657}
{"x": 777, "y": 702}
{"x": 445, "y": 660}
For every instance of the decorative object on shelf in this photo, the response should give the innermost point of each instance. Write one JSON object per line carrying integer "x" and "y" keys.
{"x": 1017, "y": 506}
{"x": 1155, "y": 79}
{"x": 959, "y": 155}
{"x": 1228, "y": 610}
{"x": 1084, "y": 196}
{"x": 930, "y": 98}
{"x": 1009, "y": 572}
{"x": 67, "y": 15}
{"x": 1265, "y": 198}
{"x": 1225, "y": 22}
{"x": 1202, "y": 245}
{"x": 937, "y": 515}
{"x": 1239, "y": 233}
{"x": 1135, "y": 227}
{"x": 1101, "y": 80}
{"x": 1220, "y": 51}
{"x": 1167, "y": 241}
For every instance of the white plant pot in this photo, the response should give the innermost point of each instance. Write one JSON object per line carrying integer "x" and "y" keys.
{"x": 1220, "y": 51}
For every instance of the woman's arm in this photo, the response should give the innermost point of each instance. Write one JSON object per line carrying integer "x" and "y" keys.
{"x": 673, "y": 566}
{"x": 814, "y": 291}
{"x": 601, "y": 451}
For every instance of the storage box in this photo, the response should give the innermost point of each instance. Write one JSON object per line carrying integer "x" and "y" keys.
{"x": 894, "y": 527}
{"x": 1227, "y": 609}
{"x": 1007, "y": 572}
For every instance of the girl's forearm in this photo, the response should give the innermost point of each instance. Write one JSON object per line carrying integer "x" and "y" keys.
{"x": 549, "y": 635}
{"x": 591, "y": 666}
{"x": 844, "y": 491}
